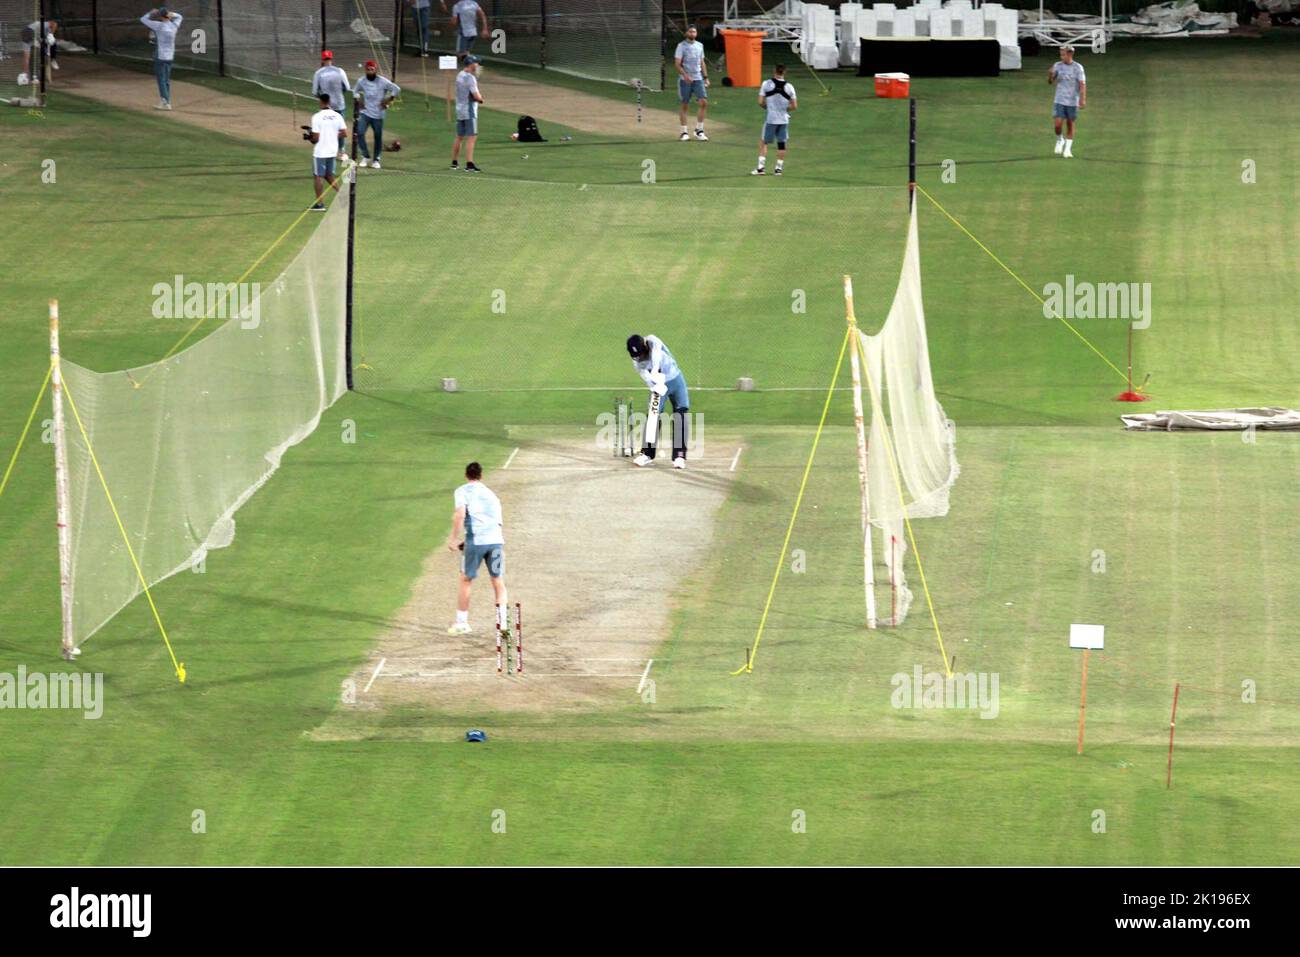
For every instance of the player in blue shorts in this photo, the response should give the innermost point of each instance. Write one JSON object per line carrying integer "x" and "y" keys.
{"x": 476, "y": 532}
{"x": 778, "y": 98}
{"x": 1071, "y": 96}
{"x": 659, "y": 370}
{"x": 692, "y": 81}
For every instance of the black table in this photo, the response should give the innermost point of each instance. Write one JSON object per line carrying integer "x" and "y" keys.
{"x": 930, "y": 56}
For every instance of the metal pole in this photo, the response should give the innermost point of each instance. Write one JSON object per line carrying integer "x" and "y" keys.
{"x": 61, "y": 485}
{"x": 397, "y": 35}
{"x": 324, "y": 44}
{"x": 221, "y": 40}
{"x": 94, "y": 27}
{"x": 352, "y": 233}
{"x": 541, "y": 56}
{"x": 911, "y": 153}
{"x": 663, "y": 46}
{"x": 42, "y": 66}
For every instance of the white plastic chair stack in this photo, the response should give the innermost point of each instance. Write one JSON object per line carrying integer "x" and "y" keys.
{"x": 941, "y": 23}
{"x": 904, "y": 23}
{"x": 884, "y": 19}
{"x": 850, "y": 49}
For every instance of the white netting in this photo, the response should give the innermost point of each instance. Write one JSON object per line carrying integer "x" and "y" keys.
{"x": 183, "y": 443}
{"x": 912, "y": 460}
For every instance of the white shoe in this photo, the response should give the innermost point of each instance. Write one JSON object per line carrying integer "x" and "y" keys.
{"x": 163, "y": 105}
{"x": 459, "y": 629}
{"x": 54, "y": 64}
{"x": 758, "y": 172}
{"x": 700, "y": 135}
{"x": 364, "y": 162}
{"x": 642, "y": 460}
{"x": 1060, "y": 145}
{"x": 23, "y": 81}
{"x": 1068, "y": 154}
{"x": 376, "y": 165}
{"x": 685, "y": 136}
{"x": 679, "y": 463}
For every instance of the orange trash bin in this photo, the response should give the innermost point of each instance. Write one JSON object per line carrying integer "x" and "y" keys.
{"x": 744, "y": 56}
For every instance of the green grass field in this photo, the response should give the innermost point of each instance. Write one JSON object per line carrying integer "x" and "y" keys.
{"x": 1198, "y": 530}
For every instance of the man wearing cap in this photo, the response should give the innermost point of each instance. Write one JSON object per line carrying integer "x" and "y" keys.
{"x": 164, "y": 24}
{"x": 332, "y": 80}
{"x": 659, "y": 370}
{"x": 1071, "y": 96}
{"x": 373, "y": 94}
{"x": 470, "y": 22}
{"x": 467, "y": 100}
{"x": 692, "y": 81}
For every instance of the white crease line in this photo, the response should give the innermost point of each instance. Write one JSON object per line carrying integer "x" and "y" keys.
{"x": 378, "y": 668}
{"x": 511, "y": 459}
{"x": 644, "y": 675}
{"x": 512, "y": 674}
{"x": 736, "y": 459}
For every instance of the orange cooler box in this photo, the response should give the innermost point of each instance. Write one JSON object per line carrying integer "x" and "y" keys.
{"x": 893, "y": 85}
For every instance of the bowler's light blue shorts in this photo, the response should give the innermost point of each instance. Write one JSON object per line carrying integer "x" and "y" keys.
{"x": 695, "y": 88}
{"x": 1063, "y": 112}
{"x": 476, "y": 555}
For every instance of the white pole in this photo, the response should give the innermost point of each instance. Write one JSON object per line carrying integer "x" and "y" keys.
{"x": 70, "y": 651}
{"x": 868, "y": 572}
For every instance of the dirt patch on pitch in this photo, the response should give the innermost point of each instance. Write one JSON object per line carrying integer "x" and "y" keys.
{"x": 193, "y": 104}
{"x": 594, "y": 551}
{"x": 554, "y": 104}
{"x": 197, "y": 105}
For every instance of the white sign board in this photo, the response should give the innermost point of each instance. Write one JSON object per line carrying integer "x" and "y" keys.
{"x": 446, "y": 63}
{"x": 1087, "y": 636}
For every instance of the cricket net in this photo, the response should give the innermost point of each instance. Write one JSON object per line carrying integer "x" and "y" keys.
{"x": 161, "y": 457}
{"x": 20, "y": 60}
{"x": 910, "y": 460}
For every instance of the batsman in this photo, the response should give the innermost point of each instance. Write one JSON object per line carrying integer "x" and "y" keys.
{"x": 659, "y": 370}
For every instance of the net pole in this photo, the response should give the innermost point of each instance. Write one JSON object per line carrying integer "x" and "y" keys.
{"x": 397, "y": 32}
{"x": 911, "y": 153}
{"x": 541, "y": 55}
{"x": 221, "y": 40}
{"x": 43, "y": 65}
{"x": 352, "y": 230}
{"x": 324, "y": 40}
{"x": 94, "y": 26}
{"x": 868, "y": 570}
{"x": 61, "y": 485}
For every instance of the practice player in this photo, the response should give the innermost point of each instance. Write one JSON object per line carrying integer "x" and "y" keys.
{"x": 332, "y": 80}
{"x": 32, "y": 37}
{"x": 659, "y": 370}
{"x": 373, "y": 94}
{"x": 470, "y": 22}
{"x": 328, "y": 131}
{"x": 692, "y": 81}
{"x": 476, "y": 532}
{"x": 1071, "y": 96}
{"x": 467, "y": 100}
{"x": 778, "y": 98}
{"x": 165, "y": 24}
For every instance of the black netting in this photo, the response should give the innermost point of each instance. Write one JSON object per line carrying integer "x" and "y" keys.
{"x": 607, "y": 40}
{"x": 19, "y": 54}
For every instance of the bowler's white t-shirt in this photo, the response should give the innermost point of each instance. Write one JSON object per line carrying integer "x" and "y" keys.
{"x": 482, "y": 513}
{"x": 328, "y": 124}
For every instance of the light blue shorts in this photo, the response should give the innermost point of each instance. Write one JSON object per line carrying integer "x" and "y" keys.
{"x": 776, "y": 133}
{"x": 467, "y": 127}
{"x": 476, "y": 555}
{"x": 695, "y": 88}
{"x": 464, "y": 44}
{"x": 1063, "y": 112}
{"x": 323, "y": 165}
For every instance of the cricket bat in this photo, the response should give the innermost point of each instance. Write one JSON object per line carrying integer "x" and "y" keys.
{"x": 652, "y": 419}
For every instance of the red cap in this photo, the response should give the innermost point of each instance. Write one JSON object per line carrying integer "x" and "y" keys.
{"x": 326, "y": 55}
{"x": 371, "y": 63}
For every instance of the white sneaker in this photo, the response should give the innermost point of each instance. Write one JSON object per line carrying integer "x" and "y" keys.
{"x": 700, "y": 135}
{"x": 163, "y": 105}
{"x": 376, "y": 165}
{"x": 54, "y": 64}
{"x": 684, "y": 137}
{"x": 642, "y": 460}
{"x": 459, "y": 629}
{"x": 758, "y": 172}
{"x": 1068, "y": 154}
{"x": 679, "y": 463}
{"x": 364, "y": 162}
{"x": 1060, "y": 145}
{"x": 23, "y": 81}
